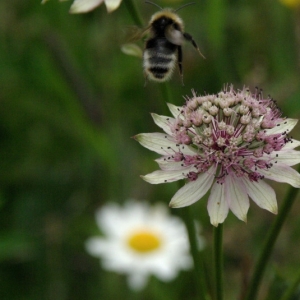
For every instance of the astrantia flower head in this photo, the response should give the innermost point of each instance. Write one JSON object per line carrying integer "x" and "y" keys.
{"x": 228, "y": 142}
{"x": 141, "y": 241}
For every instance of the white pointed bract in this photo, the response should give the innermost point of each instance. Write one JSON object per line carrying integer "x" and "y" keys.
{"x": 228, "y": 142}
{"x": 140, "y": 241}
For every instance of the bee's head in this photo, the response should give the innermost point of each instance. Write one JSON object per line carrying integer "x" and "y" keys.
{"x": 164, "y": 18}
{"x": 161, "y": 23}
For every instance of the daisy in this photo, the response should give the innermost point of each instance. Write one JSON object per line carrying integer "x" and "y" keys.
{"x": 140, "y": 241}
{"x": 228, "y": 142}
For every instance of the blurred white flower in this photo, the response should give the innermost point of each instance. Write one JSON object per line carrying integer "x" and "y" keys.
{"x": 83, "y": 6}
{"x": 44, "y": 1}
{"x": 141, "y": 241}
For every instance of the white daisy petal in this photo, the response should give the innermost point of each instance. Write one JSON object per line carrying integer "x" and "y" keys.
{"x": 162, "y": 144}
{"x": 217, "y": 206}
{"x": 283, "y": 173}
{"x": 163, "y": 122}
{"x": 175, "y": 110}
{"x": 236, "y": 197}
{"x": 262, "y": 194}
{"x": 112, "y": 5}
{"x": 83, "y": 6}
{"x": 107, "y": 217}
{"x": 167, "y": 274}
{"x": 160, "y": 176}
{"x": 137, "y": 281}
{"x": 95, "y": 246}
{"x": 193, "y": 190}
{"x": 284, "y": 126}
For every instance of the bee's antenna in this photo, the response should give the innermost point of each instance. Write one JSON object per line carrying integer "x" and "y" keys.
{"x": 149, "y": 2}
{"x": 191, "y": 3}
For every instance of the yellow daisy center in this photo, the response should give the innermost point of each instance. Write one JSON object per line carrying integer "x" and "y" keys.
{"x": 144, "y": 241}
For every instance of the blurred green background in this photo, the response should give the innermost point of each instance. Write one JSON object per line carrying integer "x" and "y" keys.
{"x": 71, "y": 100}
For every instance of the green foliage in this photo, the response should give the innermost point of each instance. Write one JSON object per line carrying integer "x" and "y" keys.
{"x": 71, "y": 100}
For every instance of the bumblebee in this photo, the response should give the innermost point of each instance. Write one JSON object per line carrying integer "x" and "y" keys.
{"x": 163, "y": 47}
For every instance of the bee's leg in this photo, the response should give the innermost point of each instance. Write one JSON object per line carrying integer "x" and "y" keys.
{"x": 146, "y": 79}
{"x": 189, "y": 38}
{"x": 179, "y": 61}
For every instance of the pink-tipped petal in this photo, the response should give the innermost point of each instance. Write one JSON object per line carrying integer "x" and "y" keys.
{"x": 285, "y": 125}
{"x": 162, "y": 144}
{"x": 289, "y": 157}
{"x": 175, "y": 110}
{"x": 262, "y": 194}
{"x": 168, "y": 165}
{"x": 163, "y": 122}
{"x": 217, "y": 206}
{"x": 160, "y": 176}
{"x": 292, "y": 144}
{"x": 236, "y": 197}
{"x": 283, "y": 173}
{"x": 193, "y": 190}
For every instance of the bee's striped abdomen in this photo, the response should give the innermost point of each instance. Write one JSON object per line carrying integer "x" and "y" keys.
{"x": 159, "y": 59}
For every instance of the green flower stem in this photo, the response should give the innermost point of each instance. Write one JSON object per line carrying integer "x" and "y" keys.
{"x": 187, "y": 216}
{"x": 291, "y": 290}
{"x": 269, "y": 244}
{"x": 218, "y": 260}
{"x": 134, "y": 13}
{"x": 166, "y": 92}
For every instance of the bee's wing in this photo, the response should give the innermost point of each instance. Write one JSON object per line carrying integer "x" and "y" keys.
{"x": 174, "y": 36}
{"x": 135, "y": 33}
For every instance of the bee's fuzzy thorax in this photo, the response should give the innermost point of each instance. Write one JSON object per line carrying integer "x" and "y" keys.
{"x": 167, "y": 13}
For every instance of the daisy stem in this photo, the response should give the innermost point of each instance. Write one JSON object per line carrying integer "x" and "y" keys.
{"x": 134, "y": 13}
{"x": 188, "y": 218}
{"x": 291, "y": 290}
{"x": 218, "y": 259}
{"x": 269, "y": 244}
